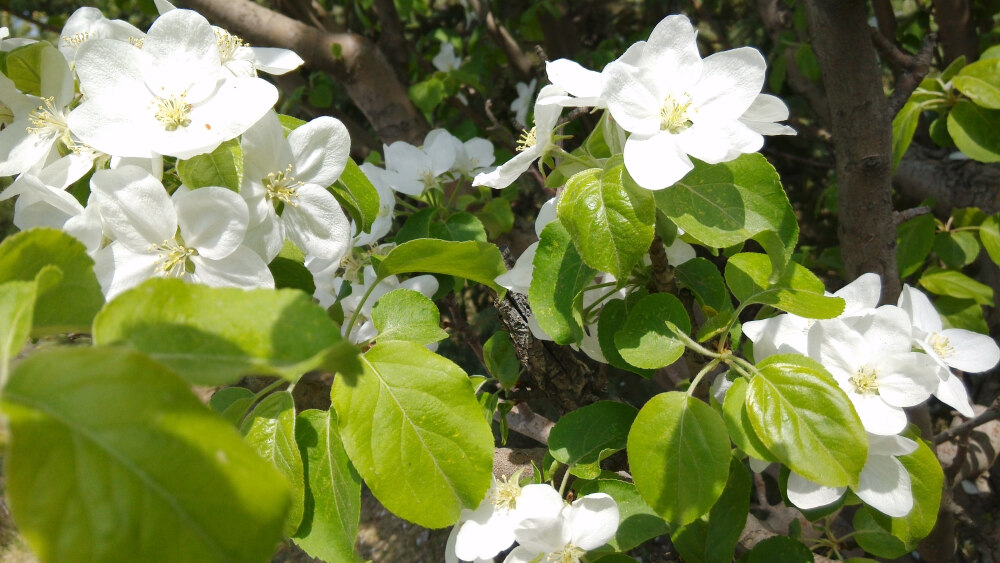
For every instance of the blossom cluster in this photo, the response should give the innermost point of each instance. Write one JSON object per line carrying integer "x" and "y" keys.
{"x": 885, "y": 359}
{"x": 538, "y": 519}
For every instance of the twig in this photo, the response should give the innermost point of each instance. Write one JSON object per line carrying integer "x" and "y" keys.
{"x": 991, "y": 413}
{"x": 908, "y": 69}
{"x": 663, "y": 276}
{"x": 900, "y": 217}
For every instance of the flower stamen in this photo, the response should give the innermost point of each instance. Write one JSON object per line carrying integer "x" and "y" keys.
{"x": 228, "y": 44}
{"x": 281, "y": 186}
{"x": 674, "y": 115}
{"x": 865, "y": 381}
{"x": 75, "y": 40}
{"x": 136, "y": 42}
{"x": 941, "y": 346}
{"x": 568, "y": 554}
{"x": 506, "y": 494}
{"x": 173, "y": 112}
{"x": 527, "y": 140}
{"x": 173, "y": 259}
{"x": 47, "y": 121}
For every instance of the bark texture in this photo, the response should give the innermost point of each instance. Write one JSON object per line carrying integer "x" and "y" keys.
{"x": 862, "y": 134}
{"x": 958, "y": 35}
{"x": 363, "y": 69}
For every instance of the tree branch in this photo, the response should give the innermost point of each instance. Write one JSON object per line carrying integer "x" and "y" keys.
{"x": 391, "y": 39}
{"x": 991, "y": 413}
{"x": 518, "y": 60}
{"x": 358, "y": 64}
{"x": 929, "y": 174}
{"x": 958, "y": 36}
{"x": 862, "y": 136}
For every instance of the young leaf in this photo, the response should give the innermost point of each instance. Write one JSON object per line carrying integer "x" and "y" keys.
{"x": 473, "y": 260}
{"x": 956, "y": 249}
{"x": 68, "y": 306}
{"x": 211, "y": 336}
{"x": 613, "y": 317}
{"x": 357, "y": 195}
{"x": 740, "y": 428}
{"x": 715, "y": 538}
{"x": 873, "y": 535}
{"x": 646, "y": 341}
{"x": 725, "y": 204}
{"x": 678, "y": 452}
{"x": 411, "y": 425}
{"x": 637, "y": 521}
{"x": 989, "y": 234}
{"x": 926, "y": 478}
{"x": 705, "y": 281}
{"x": 956, "y": 284}
{"x": 17, "y": 305}
{"x": 333, "y": 490}
{"x": 590, "y": 434}
{"x": 460, "y": 227}
{"x": 501, "y": 359}
{"x": 404, "y": 314}
{"x": 780, "y": 549}
{"x": 798, "y": 291}
{"x": 560, "y": 274}
{"x": 225, "y": 398}
{"x": 914, "y": 240}
{"x": 980, "y": 81}
{"x": 270, "y": 431}
{"x": 221, "y": 167}
{"x": 609, "y": 218}
{"x": 158, "y": 477}
{"x": 24, "y": 65}
{"x": 975, "y": 130}
{"x": 806, "y": 421}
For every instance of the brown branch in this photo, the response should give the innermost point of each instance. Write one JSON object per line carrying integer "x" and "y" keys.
{"x": 900, "y": 217}
{"x": 885, "y": 18}
{"x": 518, "y": 59}
{"x": 358, "y": 64}
{"x": 991, "y": 413}
{"x": 929, "y": 174}
{"x": 391, "y": 39}
{"x": 862, "y": 135}
{"x": 956, "y": 29}
{"x": 908, "y": 69}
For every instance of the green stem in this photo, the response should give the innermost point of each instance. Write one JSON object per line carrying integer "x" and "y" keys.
{"x": 561, "y": 152}
{"x": 357, "y": 312}
{"x": 697, "y": 379}
{"x": 565, "y": 479}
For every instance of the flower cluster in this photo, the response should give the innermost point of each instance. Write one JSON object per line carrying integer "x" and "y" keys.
{"x": 885, "y": 359}
{"x": 538, "y": 519}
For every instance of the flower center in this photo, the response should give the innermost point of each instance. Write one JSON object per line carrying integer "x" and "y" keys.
{"x": 568, "y": 554}
{"x": 47, "y": 121}
{"x": 136, "y": 42}
{"x": 674, "y": 115}
{"x": 173, "y": 258}
{"x": 173, "y": 112}
{"x": 228, "y": 44}
{"x": 281, "y": 186}
{"x": 865, "y": 381}
{"x": 507, "y": 492}
{"x": 76, "y": 40}
{"x": 527, "y": 139}
{"x": 942, "y": 346}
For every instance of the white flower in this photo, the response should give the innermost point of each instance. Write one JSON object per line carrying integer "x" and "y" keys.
{"x": 35, "y": 126}
{"x": 675, "y": 104}
{"x": 411, "y": 170}
{"x": 473, "y": 157}
{"x": 196, "y": 235}
{"x": 170, "y": 97}
{"x": 951, "y": 348}
{"x": 284, "y": 184}
{"x": 87, "y": 24}
{"x": 490, "y": 529}
{"x": 872, "y": 361}
{"x": 788, "y": 333}
{"x": 586, "y": 524}
{"x": 446, "y": 60}
{"x": 364, "y": 329}
{"x": 883, "y": 484}
{"x": 522, "y": 102}
{"x": 532, "y": 146}
{"x": 386, "y": 207}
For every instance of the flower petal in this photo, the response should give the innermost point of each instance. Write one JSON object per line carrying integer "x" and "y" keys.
{"x": 320, "y": 150}
{"x": 134, "y": 206}
{"x": 971, "y": 351}
{"x": 952, "y": 392}
{"x": 213, "y": 220}
{"x": 593, "y": 520}
{"x": 730, "y": 81}
{"x": 807, "y": 494}
{"x": 884, "y": 484}
{"x": 317, "y": 224}
{"x": 656, "y": 162}
{"x": 241, "y": 268}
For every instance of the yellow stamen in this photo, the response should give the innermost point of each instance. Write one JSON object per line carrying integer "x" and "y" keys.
{"x": 568, "y": 554}
{"x": 865, "y": 381}
{"x": 506, "y": 494}
{"x": 281, "y": 186}
{"x": 942, "y": 346}
{"x": 47, "y": 121}
{"x": 674, "y": 115}
{"x": 76, "y": 40}
{"x": 228, "y": 44}
{"x": 173, "y": 112}
{"x": 173, "y": 259}
{"x": 136, "y": 42}
{"x": 527, "y": 139}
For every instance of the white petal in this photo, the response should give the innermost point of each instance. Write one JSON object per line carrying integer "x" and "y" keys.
{"x": 117, "y": 125}
{"x": 266, "y": 238}
{"x": 680, "y": 252}
{"x": 890, "y": 445}
{"x": 105, "y": 66}
{"x": 593, "y": 520}
{"x": 538, "y": 501}
{"x": 672, "y": 52}
{"x": 505, "y": 174}
{"x": 273, "y": 60}
{"x": 718, "y": 141}
{"x": 922, "y": 313}
{"x": 972, "y": 352}
{"x": 520, "y": 554}
{"x": 730, "y": 81}
{"x": 265, "y": 149}
{"x": 119, "y": 268}
{"x": 426, "y": 285}
{"x": 807, "y": 494}
{"x": 320, "y": 150}
{"x": 518, "y": 278}
{"x": 573, "y": 78}
{"x": 180, "y": 49}
{"x": 546, "y": 214}
{"x": 134, "y": 206}
{"x": 951, "y": 391}
{"x": 656, "y": 162}
{"x": 543, "y": 535}
{"x": 213, "y": 220}
{"x": 442, "y": 147}
{"x": 241, "y": 268}
{"x": 767, "y": 108}
{"x": 632, "y": 98}
{"x": 861, "y": 295}
{"x": 885, "y": 485}
{"x": 317, "y": 224}
{"x": 877, "y": 416}
{"x": 907, "y": 379}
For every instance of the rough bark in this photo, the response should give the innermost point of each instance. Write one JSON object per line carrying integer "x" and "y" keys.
{"x": 366, "y": 74}
{"x": 958, "y": 35}
{"x": 929, "y": 173}
{"x": 862, "y": 135}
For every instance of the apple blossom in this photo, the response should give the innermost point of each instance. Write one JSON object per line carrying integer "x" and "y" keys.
{"x": 412, "y": 170}
{"x": 446, "y": 59}
{"x": 88, "y": 23}
{"x": 585, "y": 525}
{"x": 522, "y": 102}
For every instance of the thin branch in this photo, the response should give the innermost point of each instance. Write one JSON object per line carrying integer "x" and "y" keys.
{"x": 519, "y": 61}
{"x": 908, "y": 69}
{"x": 991, "y": 413}
{"x": 900, "y": 217}
{"x": 885, "y": 18}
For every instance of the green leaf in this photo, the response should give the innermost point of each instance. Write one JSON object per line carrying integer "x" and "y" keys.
{"x": 780, "y": 549}
{"x": 872, "y": 534}
{"x": 221, "y": 167}
{"x": 614, "y": 314}
{"x": 961, "y": 313}
{"x": 956, "y": 249}
{"x": 460, "y": 227}
{"x": 411, "y": 425}
{"x": 637, "y": 521}
{"x": 17, "y": 305}
{"x": 705, "y": 281}
{"x": 474, "y": 260}
{"x": 292, "y": 274}
{"x": 722, "y": 205}
{"x": 333, "y": 490}
{"x": 646, "y": 341}
{"x": 806, "y": 421}
{"x": 914, "y": 240}
{"x": 798, "y": 291}
{"x": 357, "y": 195}
{"x": 428, "y": 94}
{"x": 609, "y": 218}
{"x": 975, "y": 130}
{"x": 496, "y": 216}
{"x": 806, "y": 60}
{"x": 211, "y": 336}
{"x": 714, "y": 538}
{"x": 270, "y": 431}
{"x": 68, "y": 306}
{"x": 289, "y": 123}
{"x": 904, "y": 125}
{"x": 738, "y": 423}
{"x": 501, "y": 359}
{"x": 989, "y": 234}
{"x": 926, "y": 479}
{"x": 225, "y": 398}
{"x": 560, "y": 274}
{"x": 404, "y": 314}
{"x": 25, "y": 64}
{"x": 956, "y": 284}
{"x": 980, "y": 81}
{"x": 678, "y": 452}
{"x": 417, "y": 225}
{"x": 158, "y": 477}
{"x": 590, "y": 434}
